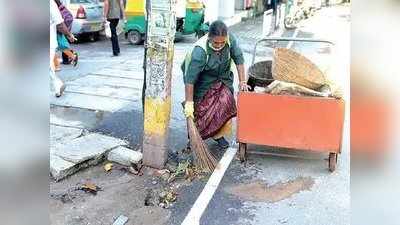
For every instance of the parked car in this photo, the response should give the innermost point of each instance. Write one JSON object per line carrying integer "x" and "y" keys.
{"x": 88, "y": 17}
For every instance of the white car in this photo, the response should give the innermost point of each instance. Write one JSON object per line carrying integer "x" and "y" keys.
{"x": 88, "y": 17}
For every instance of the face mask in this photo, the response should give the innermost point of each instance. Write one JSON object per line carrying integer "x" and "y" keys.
{"x": 215, "y": 49}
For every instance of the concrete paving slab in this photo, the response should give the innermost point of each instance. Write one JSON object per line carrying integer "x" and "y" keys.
{"x": 60, "y": 168}
{"x": 57, "y": 121}
{"x": 124, "y": 72}
{"x": 129, "y": 65}
{"x": 124, "y": 156}
{"x": 60, "y": 134}
{"x": 92, "y": 102}
{"x": 91, "y": 146}
{"x": 96, "y": 81}
{"x": 105, "y": 91}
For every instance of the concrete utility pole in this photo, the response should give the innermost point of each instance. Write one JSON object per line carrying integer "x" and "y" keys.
{"x": 157, "y": 96}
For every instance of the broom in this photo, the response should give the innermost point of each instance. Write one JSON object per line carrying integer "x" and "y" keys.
{"x": 204, "y": 160}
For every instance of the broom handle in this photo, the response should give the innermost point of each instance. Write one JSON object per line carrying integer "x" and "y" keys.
{"x": 280, "y": 39}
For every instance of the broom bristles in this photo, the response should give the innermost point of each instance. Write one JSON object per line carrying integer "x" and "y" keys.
{"x": 203, "y": 157}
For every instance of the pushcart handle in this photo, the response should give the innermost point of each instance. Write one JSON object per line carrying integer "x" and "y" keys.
{"x": 278, "y": 39}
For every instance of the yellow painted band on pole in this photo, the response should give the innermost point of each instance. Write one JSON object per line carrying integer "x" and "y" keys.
{"x": 157, "y": 115}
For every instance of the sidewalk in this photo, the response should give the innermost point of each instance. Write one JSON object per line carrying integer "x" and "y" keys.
{"x": 103, "y": 91}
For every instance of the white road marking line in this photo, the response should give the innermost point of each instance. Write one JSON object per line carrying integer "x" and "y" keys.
{"x": 290, "y": 44}
{"x": 194, "y": 215}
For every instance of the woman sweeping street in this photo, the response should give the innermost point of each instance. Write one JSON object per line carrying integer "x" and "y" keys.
{"x": 209, "y": 83}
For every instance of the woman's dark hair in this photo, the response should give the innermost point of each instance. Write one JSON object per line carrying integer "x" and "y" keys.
{"x": 217, "y": 28}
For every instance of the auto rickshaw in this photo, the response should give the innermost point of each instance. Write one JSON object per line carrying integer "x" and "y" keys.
{"x": 193, "y": 22}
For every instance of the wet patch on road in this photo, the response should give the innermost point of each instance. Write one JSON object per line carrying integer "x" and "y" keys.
{"x": 259, "y": 191}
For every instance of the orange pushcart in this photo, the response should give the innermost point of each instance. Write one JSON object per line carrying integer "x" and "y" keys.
{"x": 290, "y": 122}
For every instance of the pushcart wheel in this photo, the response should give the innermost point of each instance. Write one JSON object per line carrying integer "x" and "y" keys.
{"x": 332, "y": 161}
{"x": 242, "y": 151}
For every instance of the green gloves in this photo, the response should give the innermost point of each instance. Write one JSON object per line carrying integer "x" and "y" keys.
{"x": 189, "y": 109}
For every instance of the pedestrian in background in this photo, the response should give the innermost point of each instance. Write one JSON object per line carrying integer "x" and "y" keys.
{"x": 56, "y": 24}
{"x": 114, "y": 10}
{"x": 69, "y": 55}
{"x": 276, "y": 13}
